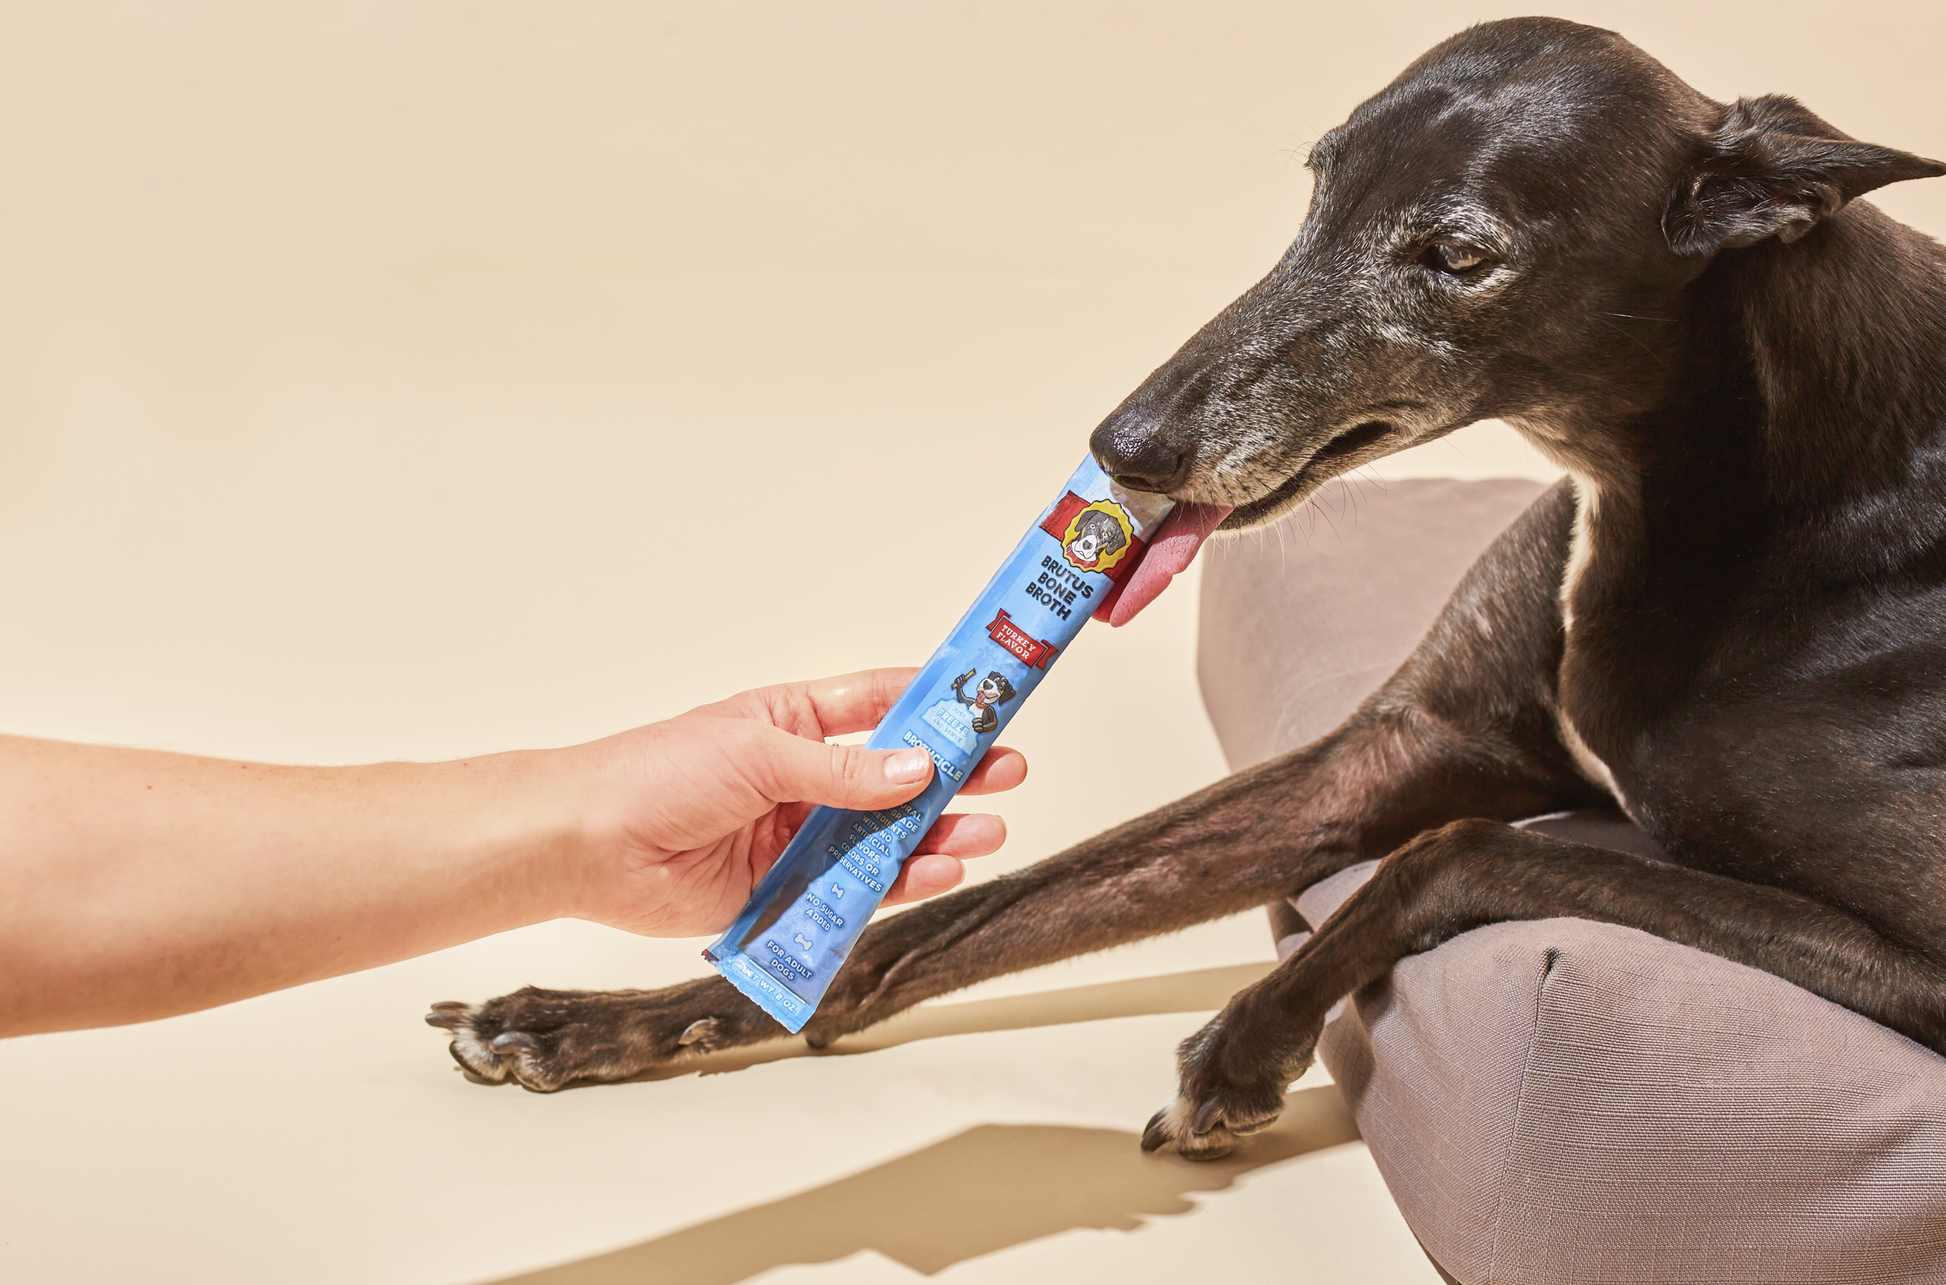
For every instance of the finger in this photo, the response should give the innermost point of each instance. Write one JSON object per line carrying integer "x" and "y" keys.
{"x": 792, "y": 769}
{"x": 1002, "y": 769}
{"x": 787, "y": 820}
{"x": 790, "y": 816}
{"x": 856, "y": 702}
{"x": 925, "y": 876}
{"x": 820, "y": 707}
{"x": 964, "y": 834}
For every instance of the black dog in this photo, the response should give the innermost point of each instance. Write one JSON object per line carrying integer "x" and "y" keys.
{"x": 1732, "y": 623}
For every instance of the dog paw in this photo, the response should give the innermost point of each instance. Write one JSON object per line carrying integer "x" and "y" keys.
{"x": 1227, "y": 1093}
{"x": 546, "y": 1040}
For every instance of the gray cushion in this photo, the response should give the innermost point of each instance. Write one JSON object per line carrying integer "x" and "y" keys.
{"x": 1561, "y": 1100}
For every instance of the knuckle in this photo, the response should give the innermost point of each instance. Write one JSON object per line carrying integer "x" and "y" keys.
{"x": 851, "y": 769}
{"x": 776, "y": 768}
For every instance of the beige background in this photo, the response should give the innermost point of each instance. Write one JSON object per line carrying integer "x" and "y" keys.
{"x": 426, "y": 377}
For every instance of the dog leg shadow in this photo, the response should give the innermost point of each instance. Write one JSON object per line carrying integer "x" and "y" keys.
{"x": 986, "y": 1189}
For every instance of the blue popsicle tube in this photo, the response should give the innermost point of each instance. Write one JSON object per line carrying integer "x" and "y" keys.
{"x": 799, "y": 925}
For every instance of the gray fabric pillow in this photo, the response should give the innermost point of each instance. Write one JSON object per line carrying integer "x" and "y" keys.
{"x": 1560, "y": 1100}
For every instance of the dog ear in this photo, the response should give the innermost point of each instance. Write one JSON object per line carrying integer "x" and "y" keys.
{"x": 1774, "y": 169}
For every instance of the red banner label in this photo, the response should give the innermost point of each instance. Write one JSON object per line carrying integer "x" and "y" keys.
{"x": 1062, "y": 515}
{"x": 1034, "y": 653}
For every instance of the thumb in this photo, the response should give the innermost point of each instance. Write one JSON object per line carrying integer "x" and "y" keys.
{"x": 843, "y": 776}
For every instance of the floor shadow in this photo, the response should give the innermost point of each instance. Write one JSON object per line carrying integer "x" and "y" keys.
{"x": 1199, "y": 990}
{"x": 989, "y": 1188}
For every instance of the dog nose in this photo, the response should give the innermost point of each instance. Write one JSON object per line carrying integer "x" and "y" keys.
{"x": 1137, "y": 459}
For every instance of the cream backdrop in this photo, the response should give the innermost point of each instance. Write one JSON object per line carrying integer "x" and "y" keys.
{"x": 426, "y": 377}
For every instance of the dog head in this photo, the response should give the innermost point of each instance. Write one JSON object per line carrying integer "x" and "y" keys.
{"x": 1096, "y": 536}
{"x": 1504, "y": 231}
{"x": 994, "y": 689}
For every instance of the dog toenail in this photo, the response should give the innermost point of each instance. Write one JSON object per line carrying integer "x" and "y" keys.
{"x": 1155, "y": 1137}
{"x": 701, "y": 1028}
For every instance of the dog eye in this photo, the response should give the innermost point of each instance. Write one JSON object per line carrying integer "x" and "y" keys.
{"x": 1450, "y": 256}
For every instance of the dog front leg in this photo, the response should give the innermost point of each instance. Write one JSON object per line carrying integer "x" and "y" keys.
{"x": 1235, "y": 1070}
{"x": 1266, "y": 832}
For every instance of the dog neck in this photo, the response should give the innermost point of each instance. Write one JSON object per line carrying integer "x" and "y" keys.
{"x": 1798, "y": 442}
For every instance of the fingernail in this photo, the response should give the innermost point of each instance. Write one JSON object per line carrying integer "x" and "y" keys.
{"x": 903, "y": 767}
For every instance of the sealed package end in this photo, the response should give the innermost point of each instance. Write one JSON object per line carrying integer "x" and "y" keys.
{"x": 799, "y": 925}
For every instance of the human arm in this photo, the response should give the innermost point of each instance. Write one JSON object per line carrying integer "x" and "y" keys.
{"x": 135, "y": 884}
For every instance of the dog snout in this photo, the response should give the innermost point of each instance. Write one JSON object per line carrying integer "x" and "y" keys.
{"x": 1134, "y": 453}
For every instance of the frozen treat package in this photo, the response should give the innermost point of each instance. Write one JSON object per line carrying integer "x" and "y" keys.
{"x": 800, "y": 923}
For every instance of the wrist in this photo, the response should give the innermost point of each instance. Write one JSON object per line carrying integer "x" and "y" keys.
{"x": 529, "y": 830}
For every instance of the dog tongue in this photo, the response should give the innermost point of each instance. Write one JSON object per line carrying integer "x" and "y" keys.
{"x": 1166, "y": 557}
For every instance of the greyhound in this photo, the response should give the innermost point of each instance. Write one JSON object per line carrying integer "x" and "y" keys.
{"x": 1729, "y": 620}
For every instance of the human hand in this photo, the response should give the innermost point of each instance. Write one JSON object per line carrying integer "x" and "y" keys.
{"x": 687, "y": 814}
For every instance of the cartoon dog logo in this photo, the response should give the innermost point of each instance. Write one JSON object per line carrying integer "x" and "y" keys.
{"x": 994, "y": 690}
{"x": 1097, "y": 538}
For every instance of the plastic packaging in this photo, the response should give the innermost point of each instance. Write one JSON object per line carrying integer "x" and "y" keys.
{"x": 801, "y": 921}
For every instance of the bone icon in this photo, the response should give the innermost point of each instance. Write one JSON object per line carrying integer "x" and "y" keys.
{"x": 801, "y": 943}
{"x": 836, "y": 892}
